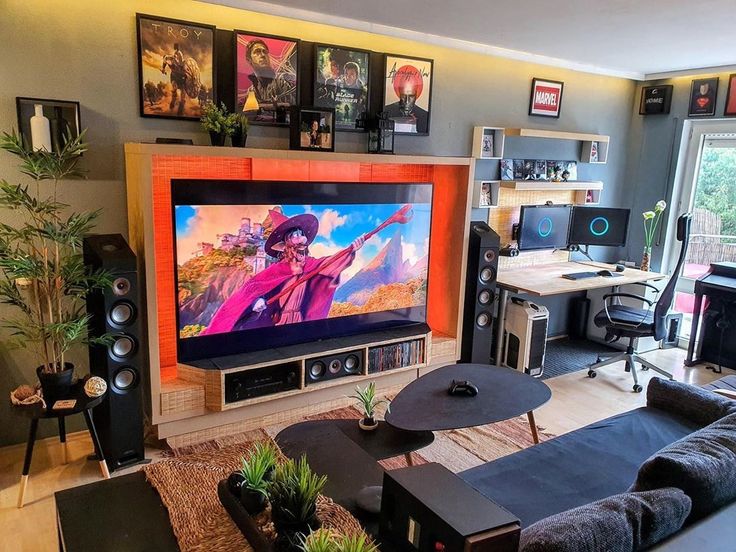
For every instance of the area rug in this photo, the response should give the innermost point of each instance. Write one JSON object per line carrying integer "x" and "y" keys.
{"x": 565, "y": 356}
{"x": 187, "y": 485}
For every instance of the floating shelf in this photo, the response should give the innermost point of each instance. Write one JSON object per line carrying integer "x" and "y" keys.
{"x": 556, "y": 134}
{"x": 544, "y": 185}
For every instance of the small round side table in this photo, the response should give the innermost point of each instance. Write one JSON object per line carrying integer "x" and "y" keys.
{"x": 36, "y": 412}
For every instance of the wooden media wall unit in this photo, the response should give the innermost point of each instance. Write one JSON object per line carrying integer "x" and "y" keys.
{"x": 187, "y": 403}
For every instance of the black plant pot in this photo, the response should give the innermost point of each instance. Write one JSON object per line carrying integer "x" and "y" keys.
{"x": 239, "y": 138}
{"x": 217, "y": 138}
{"x": 235, "y": 483}
{"x": 56, "y": 385}
{"x": 253, "y": 501}
{"x": 291, "y": 535}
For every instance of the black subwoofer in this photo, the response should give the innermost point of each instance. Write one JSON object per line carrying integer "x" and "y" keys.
{"x": 333, "y": 366}
{"x": 480, "y": 294}
{"x": 122, "y": 363}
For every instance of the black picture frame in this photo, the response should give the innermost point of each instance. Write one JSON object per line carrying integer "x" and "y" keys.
{"x": 729, "y": 109}
{"x": 535, "y": 111}
{"x": 384, "y": 100}
{"x": 58, "y": 123}
{"x": 319, "y": 89}
{"x": 141, "y": 84}
{"x": 298, "y": 72}
{"x": 297, "y": 138}
{"x": 656, "y": 100}
{"x": 703, "y": 97}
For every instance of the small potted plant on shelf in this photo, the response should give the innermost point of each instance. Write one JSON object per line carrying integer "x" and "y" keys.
{"x": 42, "y": 272}
{"x": 240, "y": 124}
{"x": 254, "y": 484}
{"x": 293, "y": 492}
{"x": 216, "y": 121}
{"x": 367, "y": 402}
{"x": 651, "y": 222}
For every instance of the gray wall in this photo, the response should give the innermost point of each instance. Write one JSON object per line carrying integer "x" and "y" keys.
{"x": 85, "y": 50}
{"x": 653, "y": 155}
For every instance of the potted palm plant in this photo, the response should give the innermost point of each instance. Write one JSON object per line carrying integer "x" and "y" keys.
{"x": 42, "y": 272}
{"x": 367, "y": 402}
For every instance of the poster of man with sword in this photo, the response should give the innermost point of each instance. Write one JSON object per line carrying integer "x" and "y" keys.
{"x": 312, "y": 271}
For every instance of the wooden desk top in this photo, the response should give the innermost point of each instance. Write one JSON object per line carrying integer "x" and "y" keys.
{"x": 546, "y": 279}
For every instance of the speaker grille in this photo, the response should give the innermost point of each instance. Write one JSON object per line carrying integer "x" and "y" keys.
{"x": 483, "y": 319}
{"x": 352, "y": 364}
{"x": 485, "y": 297}
{"x": 317, "y": 370}
{"x": 123, "y": 346}
{"x": 125, "y": 378}
{"x": 487, "y": 274}
{"x": 122, "y": 314}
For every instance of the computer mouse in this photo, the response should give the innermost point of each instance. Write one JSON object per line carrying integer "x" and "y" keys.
{"x": 620, "y": 268}
{"x": 605, "y": 273}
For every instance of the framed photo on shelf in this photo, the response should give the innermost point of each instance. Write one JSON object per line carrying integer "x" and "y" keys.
{"x": 730, "y": 109}
{"x": 176, "y": 67}
{"x": 507, "y": 169}
{"x": 487, "y": 142}
{"x": 266, "y": 77}
{"x": 312, "y": 128}
{"x": 546, "y": 98}
{"x": 341, "y": 82}
{"x": 407, "y": 93}
{"x": 655, "y": 100}
{"x": 703, "y": 95}
{"x": 58, "y": 119}
{"x": 485, "y": 194}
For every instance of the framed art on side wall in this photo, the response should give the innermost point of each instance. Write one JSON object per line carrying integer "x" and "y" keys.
{"x": 176, "y": 67}
{"x": 266, "y": 77}
{"x": 407, "y": 93}
{"x": 730, "y": 109}
{"x": 341, "y": 82}
{"x": 655, "y": 100}
{"x": 46, "y": 124}
{"x": 703, "y": 95}
{"x": 546, "y": 98}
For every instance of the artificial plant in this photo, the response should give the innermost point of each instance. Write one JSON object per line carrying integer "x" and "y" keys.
{"x": 367, "y": 401}
{"x": 42, "y": 271}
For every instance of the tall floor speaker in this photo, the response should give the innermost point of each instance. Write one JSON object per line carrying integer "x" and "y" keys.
{"x": 480, "y": 293}
{"x": 117, "y": 311}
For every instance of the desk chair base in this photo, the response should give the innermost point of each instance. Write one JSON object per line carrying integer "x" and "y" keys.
{"x": 631, "y": 358}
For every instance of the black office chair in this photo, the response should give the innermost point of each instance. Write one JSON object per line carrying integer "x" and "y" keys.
{"x": 623, "y": 321}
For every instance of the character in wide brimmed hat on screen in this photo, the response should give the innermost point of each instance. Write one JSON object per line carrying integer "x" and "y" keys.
{"x": 305, "y": 285}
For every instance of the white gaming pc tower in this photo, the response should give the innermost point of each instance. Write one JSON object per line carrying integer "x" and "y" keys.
{"x": 526, "y": 336}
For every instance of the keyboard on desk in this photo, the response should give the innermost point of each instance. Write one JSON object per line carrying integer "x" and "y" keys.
{"x": 586, "y": 275}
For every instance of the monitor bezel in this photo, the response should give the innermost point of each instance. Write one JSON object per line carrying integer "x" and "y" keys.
{"x": 580, "y": 208}
{"x": 524, "y": 208}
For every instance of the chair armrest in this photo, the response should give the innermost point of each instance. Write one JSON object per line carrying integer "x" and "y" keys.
{"x": 645, "y": 284}
{"x": 726, "y": 393}
{"x": 629, "y": 296}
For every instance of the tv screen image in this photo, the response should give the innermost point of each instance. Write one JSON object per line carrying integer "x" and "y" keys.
{"x": 543, "y": 226}
{"x": 268, "y": 273}
{"x": 599, "y": 226}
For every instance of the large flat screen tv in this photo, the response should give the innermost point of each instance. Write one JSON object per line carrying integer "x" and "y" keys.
{"x": 262, "y": 264}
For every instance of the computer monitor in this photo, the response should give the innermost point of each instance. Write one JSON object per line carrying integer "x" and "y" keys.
{"x": 599, "y": 226}
{"x": 543, "y": 226}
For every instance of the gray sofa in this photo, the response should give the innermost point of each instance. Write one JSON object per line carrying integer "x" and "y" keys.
{"x": 604, "y": 459}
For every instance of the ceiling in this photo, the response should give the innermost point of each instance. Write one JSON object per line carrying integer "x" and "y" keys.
{"x": 629, "y": 38}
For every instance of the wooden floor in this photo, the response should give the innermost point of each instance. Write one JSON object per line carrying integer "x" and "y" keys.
{"x": 576, "y": 401}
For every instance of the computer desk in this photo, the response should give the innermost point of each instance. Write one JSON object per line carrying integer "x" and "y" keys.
{"x": 543, "y": 280}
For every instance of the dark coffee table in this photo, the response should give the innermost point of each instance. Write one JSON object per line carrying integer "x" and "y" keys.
{"x": 503, "y": 394}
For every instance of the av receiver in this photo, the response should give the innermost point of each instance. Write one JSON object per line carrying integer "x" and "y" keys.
{"x": 248, "y": 384}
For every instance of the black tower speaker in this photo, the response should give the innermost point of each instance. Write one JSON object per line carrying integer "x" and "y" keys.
{"x": 117, "y": 311}
{"x": 480, "y": 293}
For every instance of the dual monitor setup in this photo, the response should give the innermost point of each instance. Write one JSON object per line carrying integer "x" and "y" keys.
{"x": 566, "y": 226}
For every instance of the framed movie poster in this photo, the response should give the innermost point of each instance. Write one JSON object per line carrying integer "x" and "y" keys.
{"x": 176, "y": 61}
{"x": 312, "y": 128}
{"x": 407, "y": 93}
{"x": 546, "y": 98}
{"x": 730, "y": 110}
{"x": 266, "y": 77}
{"x": 703, "y": 93}
{"x": 57, "y": 120}
{"x": 341, "y": 83}
{"x": 655, "y": 100}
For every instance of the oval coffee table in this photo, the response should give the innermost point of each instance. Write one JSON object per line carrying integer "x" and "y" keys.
{"x": 503, "y": 393}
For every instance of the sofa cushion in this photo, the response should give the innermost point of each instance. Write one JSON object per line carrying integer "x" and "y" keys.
{"x": 699, "y": 405}
{"x": 579, "y": 467}
{"x": 702, "y": 464}
{"x": 620, "y": 523}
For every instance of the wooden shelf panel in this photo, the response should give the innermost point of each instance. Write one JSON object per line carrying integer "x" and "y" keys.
{"x": 556, "y": 134}
{"x": 543, "y": 185}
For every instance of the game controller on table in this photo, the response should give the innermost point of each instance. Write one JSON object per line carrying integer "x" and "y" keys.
{"x": 462, "y": 388}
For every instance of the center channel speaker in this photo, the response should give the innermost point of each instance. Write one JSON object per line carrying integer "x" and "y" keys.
{"x": 333, "y": 366}
{"x": 480, "y": 293}
{"x": 117, "y": 312}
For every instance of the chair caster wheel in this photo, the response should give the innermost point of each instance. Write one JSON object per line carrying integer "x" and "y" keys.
{"x": 592, "y": 373}
{"x": 637, "y": 388}
{"x": 645, "y": 368}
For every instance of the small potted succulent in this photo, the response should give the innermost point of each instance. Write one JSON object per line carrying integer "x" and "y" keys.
{"x": 321, "y": 540}
{"x": 367, "y": 402}
{"x": 355, "y": 542}
{"x": 240, "y": 124}
{"x": 254, "y": 484}
{"x": 216, "y": 121}
{"x": 324, "y": 540}
{"x": 293, "y": 492}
